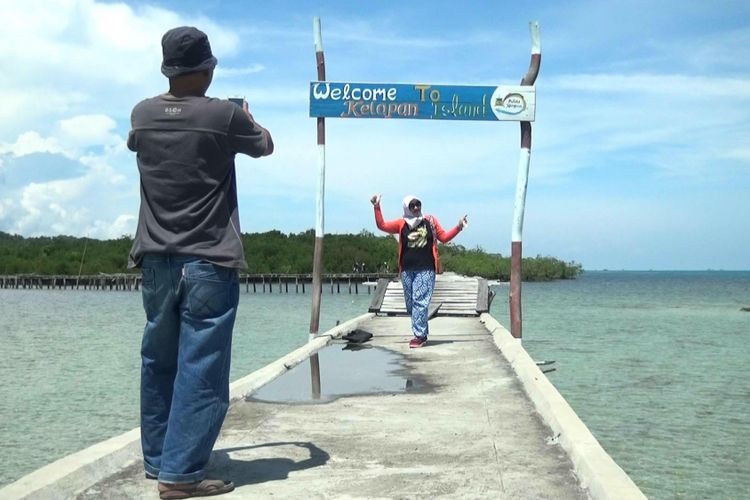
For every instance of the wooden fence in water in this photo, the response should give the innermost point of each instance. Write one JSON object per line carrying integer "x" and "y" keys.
{"x": 352, "y": 283}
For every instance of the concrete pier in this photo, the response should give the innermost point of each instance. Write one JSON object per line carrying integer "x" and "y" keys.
{"x": 468, "y": 416}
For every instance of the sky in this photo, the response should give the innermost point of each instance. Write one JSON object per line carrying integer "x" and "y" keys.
{"x": 641, "y": 145}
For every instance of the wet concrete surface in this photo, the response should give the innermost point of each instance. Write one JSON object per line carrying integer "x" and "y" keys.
{"x": 345, "y": 369}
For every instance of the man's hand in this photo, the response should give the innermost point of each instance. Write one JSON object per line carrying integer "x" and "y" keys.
{"x": 375, "y": 200}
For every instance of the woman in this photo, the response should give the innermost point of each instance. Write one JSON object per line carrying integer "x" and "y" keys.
{"x": 418, "y": 259}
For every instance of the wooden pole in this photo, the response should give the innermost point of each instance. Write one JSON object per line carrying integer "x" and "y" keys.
{"x": 80, "y": 268}
{"x": 319, "y": 208}
{"x": 319, "y": 214}
{"x": 521, "y": 183}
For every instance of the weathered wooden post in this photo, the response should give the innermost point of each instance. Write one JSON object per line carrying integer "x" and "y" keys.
{"x": 319, "y": 206}
{"x": 521, "y": 183}
{"x": 319, "y": 215}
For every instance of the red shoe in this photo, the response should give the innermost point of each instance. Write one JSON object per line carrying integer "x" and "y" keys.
{"x": 417, "y": 342}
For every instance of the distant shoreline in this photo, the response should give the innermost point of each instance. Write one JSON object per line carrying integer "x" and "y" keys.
{"x": 270, "y": 252}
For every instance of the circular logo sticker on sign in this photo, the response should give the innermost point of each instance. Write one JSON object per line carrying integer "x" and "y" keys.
{"x": 506, "y": 103}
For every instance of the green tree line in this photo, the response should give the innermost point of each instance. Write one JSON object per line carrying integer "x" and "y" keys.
{"x": 269, "y": 252}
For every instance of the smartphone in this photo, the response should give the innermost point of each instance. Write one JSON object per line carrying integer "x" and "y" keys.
{"x": 239, "y": 101}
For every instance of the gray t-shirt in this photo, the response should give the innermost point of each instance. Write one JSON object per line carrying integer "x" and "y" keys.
{"x": 185, "y": 151}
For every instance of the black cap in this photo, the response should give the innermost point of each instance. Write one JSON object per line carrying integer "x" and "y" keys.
{"x": 185, "y": 50}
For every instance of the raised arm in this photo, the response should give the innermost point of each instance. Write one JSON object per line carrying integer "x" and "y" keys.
{"x": 444, "y": 236}
{"x": 269, "y": 140}
{"x": 248, "y": 136}
{"x": 389, "y": 226}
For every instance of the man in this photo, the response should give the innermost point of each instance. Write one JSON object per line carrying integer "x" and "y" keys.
{"x": 189, "y": 249}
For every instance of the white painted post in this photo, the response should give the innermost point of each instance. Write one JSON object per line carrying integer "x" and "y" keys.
{"x": 319, "y": 216}
{"x": 320, "y": 200}
{"x": 521, "y": 183}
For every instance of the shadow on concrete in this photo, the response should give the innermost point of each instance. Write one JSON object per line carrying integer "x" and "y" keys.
{"x": 432, "y": 342}
{"x": 261, "y": 470}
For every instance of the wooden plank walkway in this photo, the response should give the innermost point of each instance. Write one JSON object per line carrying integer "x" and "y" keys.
{"x": 454, "y": 295}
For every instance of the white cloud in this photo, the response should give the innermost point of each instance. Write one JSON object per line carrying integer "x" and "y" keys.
{"x": 739, "y": 153}
{"x": 6, "y": 207}
{"x": 70, "y": 57}
{"x": 56, "y": 207}
{"x": 268, "y": 97}
{"x": 42, "y": 205}
{"x": 700, "y": 88}
{"x": 88, "y": 130}
{"x": 26, "y": 104}
{"x": 123, "y": 224}
{"x": 671, "y": 125}
{"x": 91, "y": 201}
{"x": 78, "y": 67}
{"x": 626, "y": 102}
{"x": 71, "y": 137}
{"x": 95, "y": 41}
{"x": 631, "y": 230}
{"x": 222, "y": 72}
{"x": 31, "y": 142}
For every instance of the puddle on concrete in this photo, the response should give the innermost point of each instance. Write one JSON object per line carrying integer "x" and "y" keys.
{"x": 345, "y": 370}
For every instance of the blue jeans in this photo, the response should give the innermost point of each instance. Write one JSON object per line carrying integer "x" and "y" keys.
{"x": 190, "y": 309}
{"x": 418, "y": 287}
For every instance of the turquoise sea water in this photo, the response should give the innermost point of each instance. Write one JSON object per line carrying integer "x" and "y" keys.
{"x": 655, "y": 363}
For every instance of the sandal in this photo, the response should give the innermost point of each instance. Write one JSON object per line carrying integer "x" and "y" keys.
{"x": 205, "y": 488}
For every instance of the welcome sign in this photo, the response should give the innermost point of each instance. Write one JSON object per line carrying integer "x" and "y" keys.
{"x": 422, "y": 101}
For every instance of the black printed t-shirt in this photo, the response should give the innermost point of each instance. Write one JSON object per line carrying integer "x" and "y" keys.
{"x": 185, "y": 152}
{"x": 416, "y": 247}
